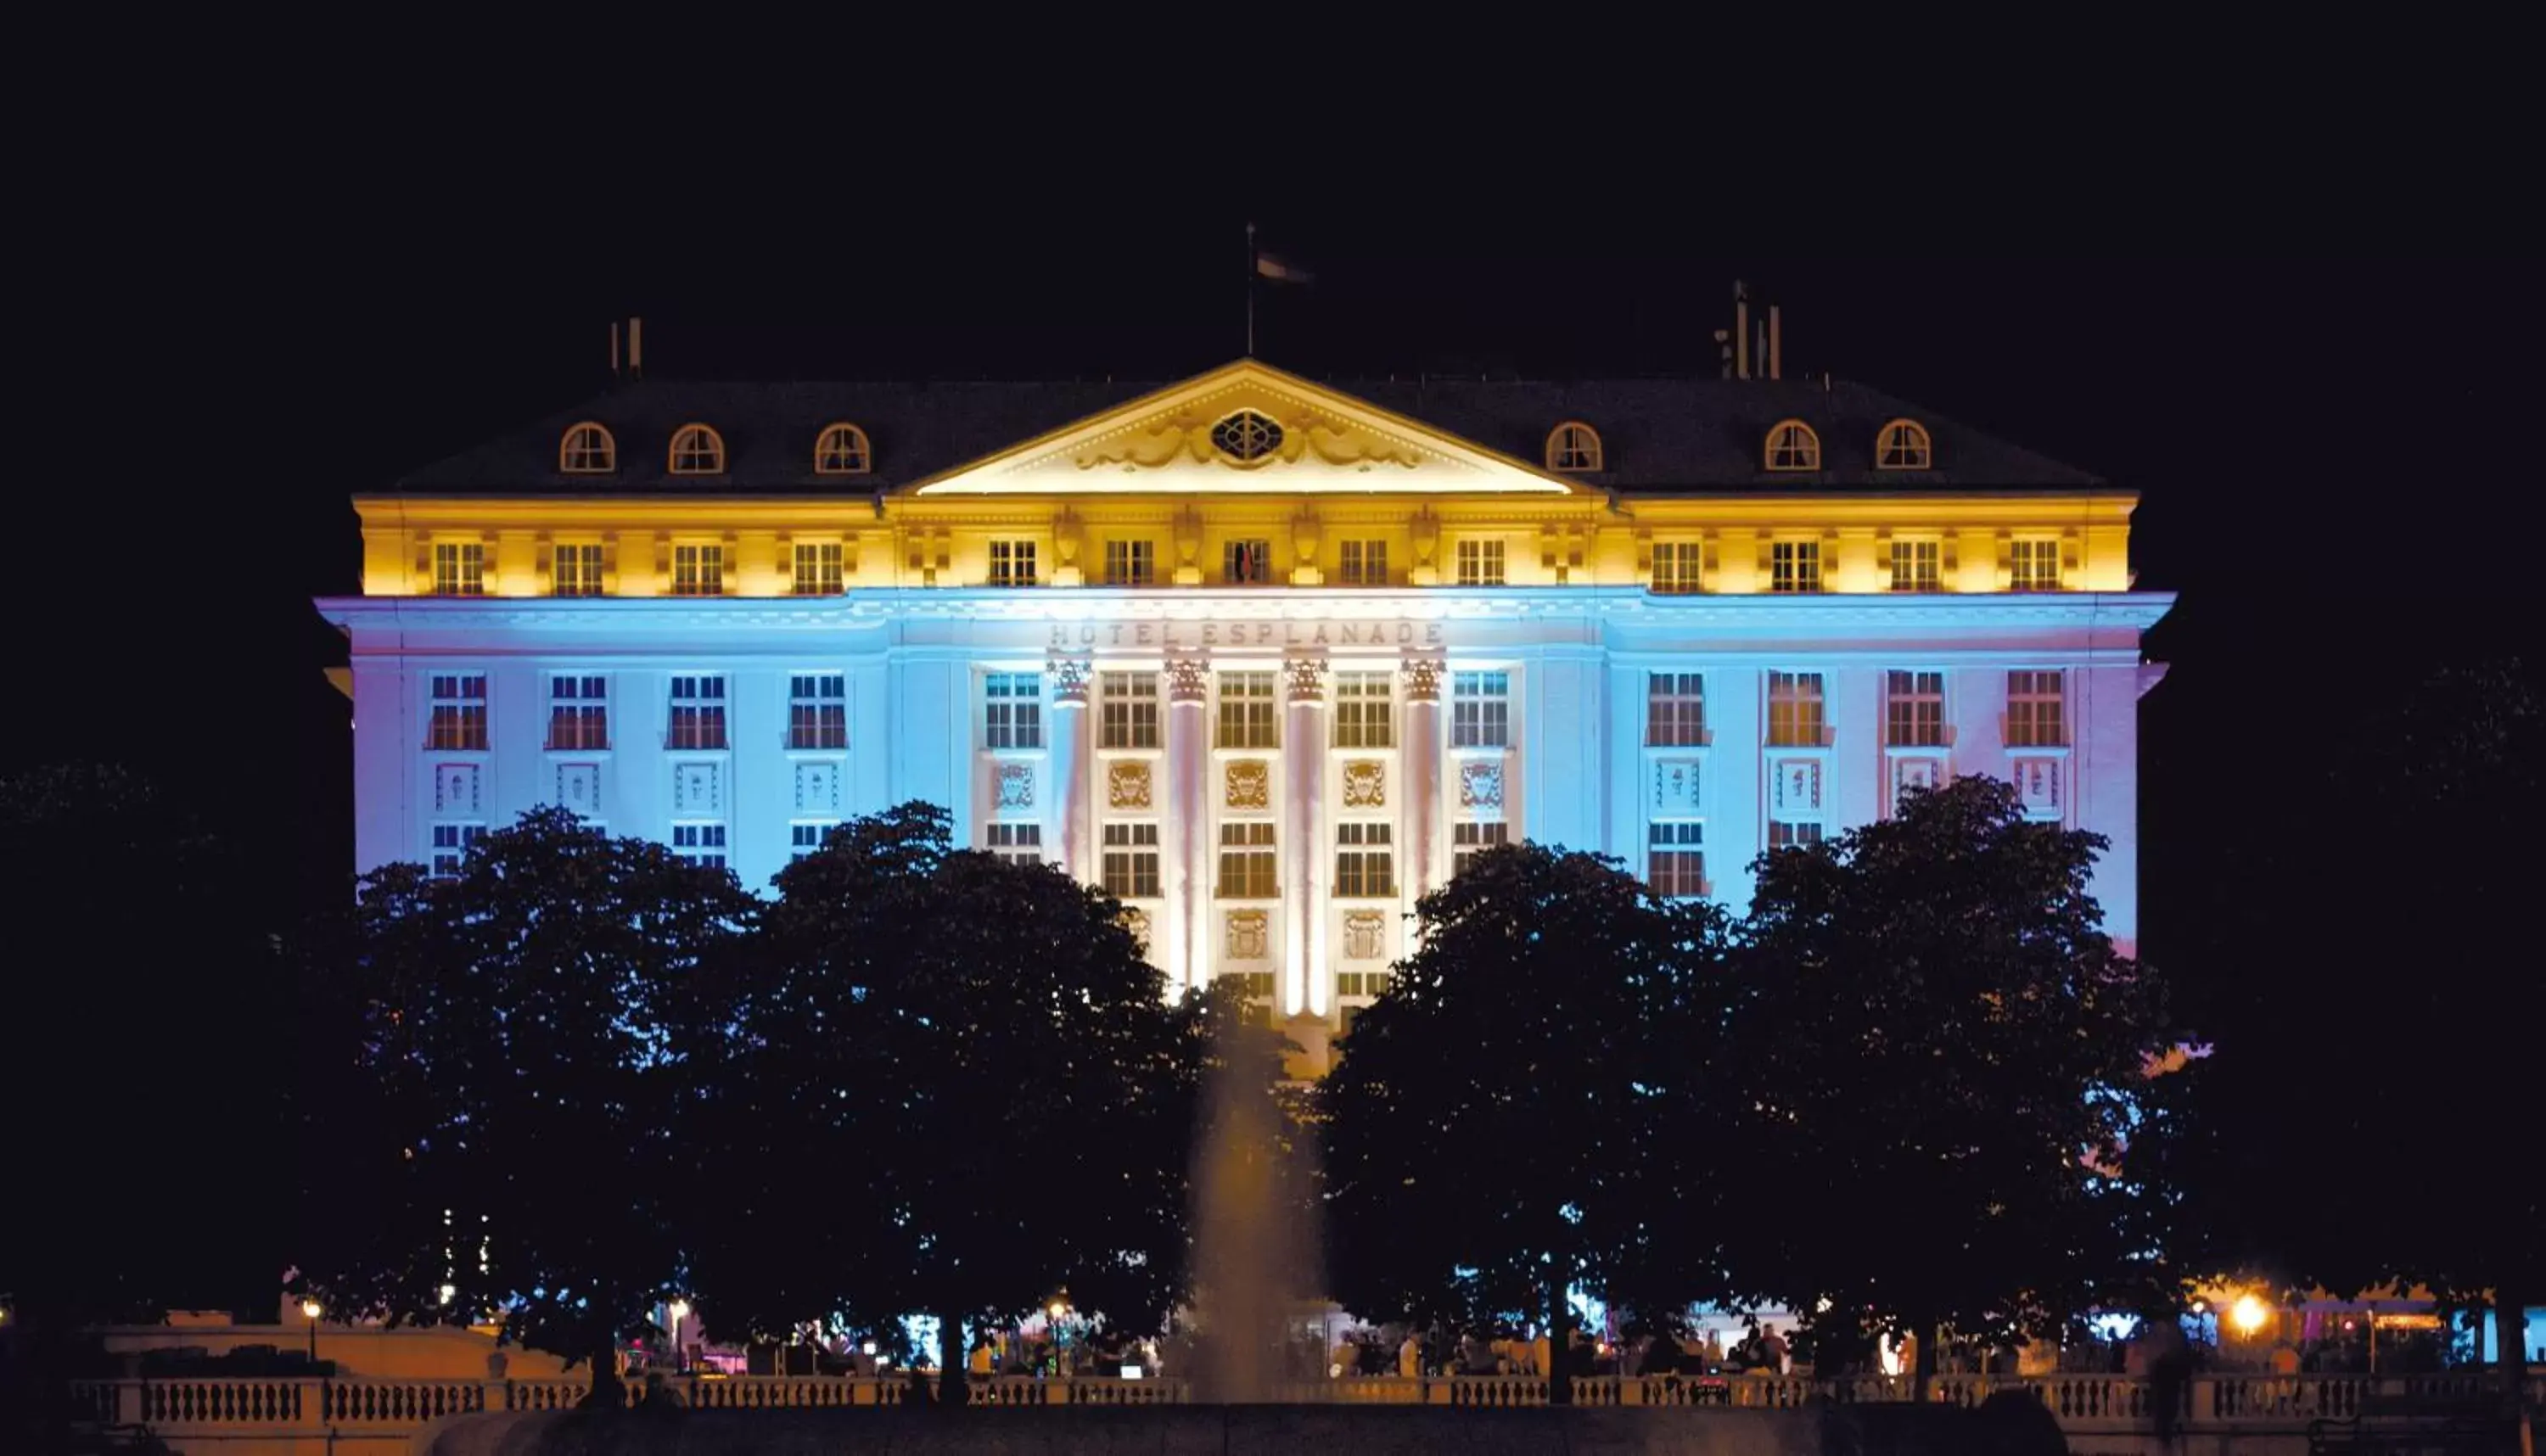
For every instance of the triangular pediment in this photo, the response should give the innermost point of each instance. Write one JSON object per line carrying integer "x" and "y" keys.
{"x": 1247, "y": 428}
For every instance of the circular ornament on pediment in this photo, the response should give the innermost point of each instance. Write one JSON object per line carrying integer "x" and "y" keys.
{"x": 1246, "y": 437}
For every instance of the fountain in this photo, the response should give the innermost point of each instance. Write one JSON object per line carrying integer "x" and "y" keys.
{"x": 1255, "y": 1250}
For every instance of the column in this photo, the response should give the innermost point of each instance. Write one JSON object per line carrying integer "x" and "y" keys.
{"x": 1066, "y": 738}
{"x": 1305, "y": 986}
{"x": 1422, "y": 758}
{"x": 1186, "y": 875}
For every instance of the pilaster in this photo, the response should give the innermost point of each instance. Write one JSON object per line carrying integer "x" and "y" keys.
{"x": 1305, "y": 976}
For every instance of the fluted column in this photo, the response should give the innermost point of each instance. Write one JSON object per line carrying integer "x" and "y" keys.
{"x": 1422, "y": 759}
{"x": 1305, "y": 978}
{"x": 1186, "y": 875}
{"x": 1065, "y": 739}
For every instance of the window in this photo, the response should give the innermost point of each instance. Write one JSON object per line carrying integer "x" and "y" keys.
{"x": 697, "y": 450}
{"x": 1361, "y": 711}
{"x": 818, "y": 568}
{"x": 1913, "y": 710}
{"x": 578, "y": 711}
{"x": 1903, "y": 445}
{"x": 1917, "y": 565}
{"x": 460, "y": 568}
{"x": 702, "y": 844}
{"x": 1481, "y": 562}
{"x": 1246, "y": 562}
{"x": 1674, "y": 859}
{"x": 2033, "y": 563}
{"x": 1246, "y": 711}
{"x": 698, "y": 570}
{"x": 698, "y": 713}
{"x": 841, "y": 449}
{"x": 1471, "y": 838}
{"x": 1012, "y": 712}
{"x": 1362, "y": 562}
{"x": 1795, "y": 717}
{"x": 575, "y": 569}
{"x": 1481, "y": 709}
{"x": 1246, "y": 860}
{"x": 451, "y": 844}
{"x": 587, "y": 450}
{"x": 1257, "y": 985}
{"x": 1012, "y": 563}
{"x": 1132, "y": 861}
{"x": 1129, "y": 718}
{"x": 1573, "y": 446}
{"x": 1677, "y": 565}
{"x": 1793, "y": 834}
{"x": 1131, "y": 564}
{"x": 1365, "y": 865}
{"x": 459, "y": 703}
{"x": 1674, "y": 710}
{"x": 1246, "y": 436}
{"x": 2034, "y": 710}
{"x": 1018, "y": 845}
{"x": 805, "y": 836}
{"x": 1359, "y": 983}
{"x": 1792, "y": 446}
{"x": 818, "y": 709}
{"x": 1795, "y": 565}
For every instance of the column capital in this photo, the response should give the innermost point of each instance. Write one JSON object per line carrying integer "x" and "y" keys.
{"x": 1422, "y": 679}
{"x": 1188, "y": 679}
{"x": 1304, "y": 674}
{"x": 1070, "y": 676}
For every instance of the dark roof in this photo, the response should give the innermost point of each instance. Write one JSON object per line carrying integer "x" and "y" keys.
{"x": 1657, "y": 435}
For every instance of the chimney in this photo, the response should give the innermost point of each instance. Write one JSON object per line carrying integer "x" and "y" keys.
{"x": 614, "y": 348}
{"x": 1724, "y": 347}
{"x": 1740, "y": 330}
{"x": 636, "y": 348}
{"x": 1776, "y": 347}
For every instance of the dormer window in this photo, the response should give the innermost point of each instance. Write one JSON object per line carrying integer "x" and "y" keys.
{"x": 587, "y": 450}
{"x": 1792, "y": 446}
{"x": 1573, "y": 446}
{"x": 842, "y": 451}
{"x": 697, "y": 450}
{"x": 1904, "y": 446}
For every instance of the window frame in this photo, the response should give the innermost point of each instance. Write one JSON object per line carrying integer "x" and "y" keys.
{"x": 1920, "y": 700}
{"x": 823, "y": 451}
{"x": 1137, "y": 851}
{"x": 465, "y": 727}
{"x": 582, "y": 553}
{"x": 1368, "y": 701}
{"x": 828, "y": 704}
{"x": 691, "y": 576}
{"x": 1908, "y": 439}
{"x": 1012, "y": 710}
{"x": 1237, "y": 551}
{"x": 1469, "y": 838}
{"x": 1576, "y": 454}
{"x": 710, "y": 845}
{"x": 1249, "y": 864}
{"x": 1369, "y": 846}
{"x": 2027, "y": 556}
{"x": 467, "y": 575}
{"x": 1489, "y": 726}
{"x": 465, "y": 836}
{"x": 709, "y": 715}
{"x": 1799, "y": 733}
{"x": 1686, "y": 574}
{"x": 696, "y": 440}
{"x": 2036, "y": 733}
{"x": 1798, "y": 443}
{"x": 1361, "y": 561}
{"x": 1922, "y": 551}
{"x": 1018, "y": 842}
{"x": 1013, "y": 562}
{"x": 1137, "y": 694}
{"x": 1795, "y": 566}
{"x": 568, "y": 451}
{"x": 829, "y": 575}
{"x": 586, "y": 707}
{"x": 1675, "y": 858}
{"x": 1243, "y": 716}
{"x": 1669, "y": 721}
{"x": 1481, "y": 561}
{"x": 797, "y": 846}
{"x": 1130, "y": 561}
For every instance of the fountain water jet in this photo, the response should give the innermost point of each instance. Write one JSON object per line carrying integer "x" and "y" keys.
{"x": 1256, "y": 1254}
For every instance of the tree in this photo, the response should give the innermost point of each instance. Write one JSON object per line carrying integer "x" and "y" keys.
{"x": 1935, "y": 1037}
{"x": 1523, "y": 1112}
{"x": 955, "y": 1086}
{"x": 529, "y": 1022}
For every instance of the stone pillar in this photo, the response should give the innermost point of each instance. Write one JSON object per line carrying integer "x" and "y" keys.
{"x": 1065, "y": 739}
{"x": 1304, "y": 975}
{"x": 1185, "y": 876}
{"x": 1421, "y": 677}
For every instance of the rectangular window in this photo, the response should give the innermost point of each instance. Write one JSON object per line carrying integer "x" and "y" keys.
{"x": 1257, "y": 985}
{"x": 1795, "y": 719}
{"x": 1012, "y": 710}
{"x": 459, "y": 718}
{"x": 460, "y": 568}
{"x": 1481, "y": 562}
{"x": 1793, "y": 834}
{"x": 1129, "y": 718}
{"x": 1247, "y": 712}
{"x": 578, "y": 711}
{"x": 1365, "y": 864}
{"x": 1481, "y": 709}
{"x": 1362, "y": 718}
{"x": 1795, "y": 565}
{"x": 575, "y": 569}
{"x": 2034, "y": 710}
{"x": 1676, "y": 709}
{"x": 1131, "y": 564}
{"x": 818, "y": 709}
{"x": 450, "y": 845}
{"x": 698, "y": 713}
{"x": 2033, "y": 563}
{"x": 1012, "y": 563}
{"x": 1132, "y": 861}
{"x": 1917, "y": 565}
{"x": 807, "y": 835}
{"x": 1677, "y": 565}
{"x": 702, "y": 844}
{"x": 1913, "y": 710}
{"x": 1018, "y": 845}
{"x": 1362, "y": 563}
{"x": 1246, "y": 860}
{"x": 817, "y": 568}
{"x": 1360, "y": 983}
{"x": 1675, "y": 858}
{"x": 1246, "y": 562}
{"x": 1470, "y": 839}
{"x": 698, "y": 570}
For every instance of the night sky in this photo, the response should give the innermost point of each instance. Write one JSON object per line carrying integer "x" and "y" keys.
{"x": 2338, "y": 460}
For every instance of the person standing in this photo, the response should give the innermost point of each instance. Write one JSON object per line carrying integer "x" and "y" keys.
{"x": 1409, "y": 1357}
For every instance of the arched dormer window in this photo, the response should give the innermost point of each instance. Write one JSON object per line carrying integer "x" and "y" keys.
{"x": 1792, "y": 446}
{"x": 1904, "y": 446}
{"x": 697, "y": 450}
{"x": 841, "y": 449}
{"x": 1573, "y": 446}
{"x": 588, "y": 448}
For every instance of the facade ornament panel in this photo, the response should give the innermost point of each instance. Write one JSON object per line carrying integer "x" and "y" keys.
{"x": 1481, "y": 783}
{"x": 1305, "y": 677}
{"x": 1677, "y": 788}
{"x": 578, "y": 787}
{"x": 817, "y": 788}
{"x": 1365, "y": 784}
{"x": 1916, "y": 773}
{"x": 698, "y": 788}
{"x": 1365, "y": 936}
{"x": 1137, "y": 920}
{"x": 1016, "y": 786}
{"x": 1069, "y": 675}
{"x": 1250, "y": 935}
{"x": 1422, "y": 679}
{"x": 1794, "y": 786}
{"x": 1127, "y": 784}
{"x": 1248, "y": 783}
{"x": 455, "y": 788}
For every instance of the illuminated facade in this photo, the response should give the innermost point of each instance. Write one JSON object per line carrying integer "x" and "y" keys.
{"x": 1263, "y": 656}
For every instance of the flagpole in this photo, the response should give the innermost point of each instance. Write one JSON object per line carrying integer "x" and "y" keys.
{"x": 1250, "y": 290}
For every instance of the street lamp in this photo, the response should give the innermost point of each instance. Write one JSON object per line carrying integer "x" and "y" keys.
{"x": 679, "y": 1310}
{"x": 1057, "y": 1310}
{"x": 310, "y": 1307}
{"x": 2248, "y": 1314}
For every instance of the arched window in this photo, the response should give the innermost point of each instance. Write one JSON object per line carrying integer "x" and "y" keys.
{"x": 697, "y": 450}
{"x": 1573, "y": 446}
{"x": 1904, "y": 446}
{"x": 1792, "y": 446}
{"x": 842, "y": 450}
{"x": 587, "y": 450}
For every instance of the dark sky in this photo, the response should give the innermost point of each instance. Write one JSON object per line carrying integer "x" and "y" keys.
{"x": 2338, "y": 458}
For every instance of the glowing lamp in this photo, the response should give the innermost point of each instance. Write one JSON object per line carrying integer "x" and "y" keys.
{"x": 1057, "y": 1309}
{"x": 2249, "y": 1313}
{"x": 679, "y": 1310}
{"x": 310, "y": 1307}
